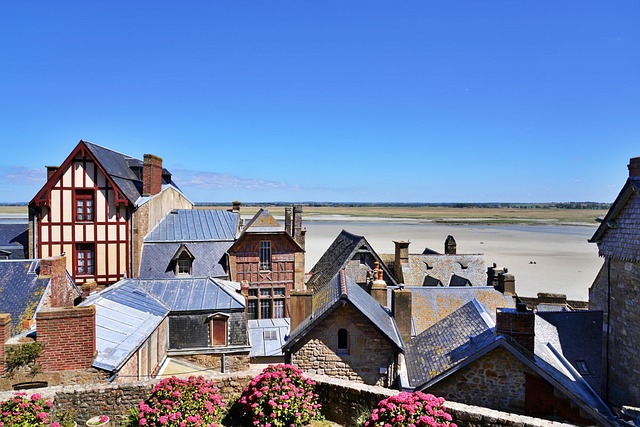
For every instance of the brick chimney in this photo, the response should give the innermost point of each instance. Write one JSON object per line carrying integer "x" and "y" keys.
{"x": 61, "y": 293}
{"x": 298, "y": 232}
{"x": 379, "y": 286}
{"x": 5, "y": 334}
{"x": 402, "y": 312}
{"x": 450, "y": 245}
{"x": 301, "y": 307}
{"x": 69, "y": 338}
{"x": 51, "y": 170}
{"x": 402, "y": 258}
{"x": 517, "y": 323}
{"x": 151, "y": 175}
{"x": 634, "y": 167}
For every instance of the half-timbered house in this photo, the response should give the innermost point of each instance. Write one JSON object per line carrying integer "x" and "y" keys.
{"x": 96, "y": 208}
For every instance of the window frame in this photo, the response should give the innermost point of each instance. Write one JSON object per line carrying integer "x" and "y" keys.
{"x": 218, "y": 319}
{"x": 265, "y": 255}
{"x": 85, "y": 254}
{"x": 84, "y": 205}
{"x": 342, "y": 344}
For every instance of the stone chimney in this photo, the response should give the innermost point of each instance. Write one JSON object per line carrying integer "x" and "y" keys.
{"x": 151, "y": 175}
{"x": 287, "y": 221}
{"x": 5, "y": 334}
{"x": 301, "y": 307}
{"x": 235, "y": 206}
{"x": 450, "y": 245}
{"x": 402, "y": 312}
{"x": 506, "y": 283}
{"x": 379, "y": 286}
{"x": 60, "y": 289}
{"x": 517, "y": 323}
{"x": 634, "y": 167}
{"x": 51, "y": 170}
{"x": 69, "y": 338}
{"x": 298, "y": 232}
{"x": 402, "y": 258}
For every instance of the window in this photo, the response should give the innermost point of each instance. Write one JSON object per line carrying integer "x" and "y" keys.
{"x": 278, "y": 309}
{"x": 84, "y": 205}
{"x": 85, "y": 261}
{"x": 265, "y": 255}
{"x": 581, "y": 365}
{"x": 183, "y": 264}
{"x": 218, "y": 330}
{"x": 343, "y": 341}
{"x": 265, "y": 308}
{"x": 270, "y": 335}
{"x": 252, "y": 309}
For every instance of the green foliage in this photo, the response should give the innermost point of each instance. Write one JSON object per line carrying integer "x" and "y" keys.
{"x": 23, "y": 355}
{"x": 23, "y": 411}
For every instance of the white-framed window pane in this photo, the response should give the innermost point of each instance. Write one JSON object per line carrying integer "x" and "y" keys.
{"x": 265, "y": 255}
{"x": 278, "y": 308}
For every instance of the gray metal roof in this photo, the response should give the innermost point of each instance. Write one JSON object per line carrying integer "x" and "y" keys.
{"x": 338, "y": 290}
{"x": 130, "y": 310}
{"x": 268, "y": 336}
{"x": 196, "y": 225}
{"x": 157, "y": 261}
{"x": 194, "y": 294}
{"x": 126, "y": 315}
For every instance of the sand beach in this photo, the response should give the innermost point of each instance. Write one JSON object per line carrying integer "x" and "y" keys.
{"x": 543, "y": 258}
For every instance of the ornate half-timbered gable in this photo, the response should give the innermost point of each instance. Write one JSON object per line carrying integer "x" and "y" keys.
{"x": 265, "y": 259}
{"x": 87, "y": 208}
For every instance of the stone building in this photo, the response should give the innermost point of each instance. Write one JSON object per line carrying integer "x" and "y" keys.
{"x": 345, "y": 333}
{"x": 519, "y": 363}
{"x": 616, "y": 292}
{"x": 96, "y": 208}
{"x": 269, "y": 262}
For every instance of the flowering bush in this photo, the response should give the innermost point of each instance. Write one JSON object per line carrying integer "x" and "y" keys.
{"x": 23, "y": 411}
{"x": 415, "y": 409}
{"x": 280, "y": 396}
{"x": 178, "y": 402}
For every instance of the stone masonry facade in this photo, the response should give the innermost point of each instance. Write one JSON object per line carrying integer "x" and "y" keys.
{"x": 370, "y": 353}
{"x": 621, "y": 359}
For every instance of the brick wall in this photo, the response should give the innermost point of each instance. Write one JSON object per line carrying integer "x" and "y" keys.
{"x": 151, "y": 175}
{"x": 5, "y": 334}
{"x": 368, "y": 349}
{"x": 68, "y": 335}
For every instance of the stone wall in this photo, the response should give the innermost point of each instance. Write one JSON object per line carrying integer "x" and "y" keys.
{"x": 483, "y": 383}
{"x": 342, "y": 401}
{"x": 621, "y": 359}
{"x": 232, "y": 362}
{"x": 368, "y": 351}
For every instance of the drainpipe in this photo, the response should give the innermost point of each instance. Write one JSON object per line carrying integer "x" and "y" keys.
{"x": 133, "y": 226}
{"x": 224, "y": 364}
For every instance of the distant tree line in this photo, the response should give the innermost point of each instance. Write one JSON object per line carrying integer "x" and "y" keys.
{"x": 492, "y": 205}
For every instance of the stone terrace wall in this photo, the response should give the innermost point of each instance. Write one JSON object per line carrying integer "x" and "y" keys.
{"x": 341, "y": 401}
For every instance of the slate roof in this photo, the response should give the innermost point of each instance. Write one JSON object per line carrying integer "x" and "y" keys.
{"x": 619, "y": 233}
{"x": 14, "y": 239}
{"x": 20, "y": 290}
{"x": 431, "y": 304}
{"x": 469, "y": 333}
{"x": 335, "y": 258}
{"x": 130, "y": 310}
{"x": 196, "y": 225}
{"x": 268, "y": 336}
{"x": 448, "y": 269}
{"x": 339, "y": 290}
{"x": 448, "y": 343}
{"x": 156, "y": 261}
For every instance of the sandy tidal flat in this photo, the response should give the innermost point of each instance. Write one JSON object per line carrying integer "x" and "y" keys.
{"x": 543, "y": 258}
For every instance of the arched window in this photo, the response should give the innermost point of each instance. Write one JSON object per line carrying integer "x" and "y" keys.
{"x": 343, "y": 341}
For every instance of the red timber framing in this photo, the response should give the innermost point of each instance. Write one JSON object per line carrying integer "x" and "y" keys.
{"x": 81, "y": 212}
{"x": 266, "y": 285}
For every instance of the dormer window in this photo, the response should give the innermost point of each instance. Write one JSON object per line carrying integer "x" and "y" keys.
{"x": 184, "y": 261}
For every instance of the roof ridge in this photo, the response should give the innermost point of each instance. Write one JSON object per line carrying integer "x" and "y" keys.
{"x": 109, "y": 149}
{"x": 343, "y": 283}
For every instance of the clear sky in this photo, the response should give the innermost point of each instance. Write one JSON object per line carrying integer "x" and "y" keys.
{"x": 400, "y": 101}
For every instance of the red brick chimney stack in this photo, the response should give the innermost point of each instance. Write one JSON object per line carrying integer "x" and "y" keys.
{"x": 55, "y": 268}
{"x": 151, "y": 175}
{"x": 518, "y": 323}
{"x": 634, "y": 167}
{"x": 5, "y": 334}
{"x": 51, "y": 170}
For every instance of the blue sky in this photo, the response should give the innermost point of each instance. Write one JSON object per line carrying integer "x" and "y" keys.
{"x": 410, "y": 101}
